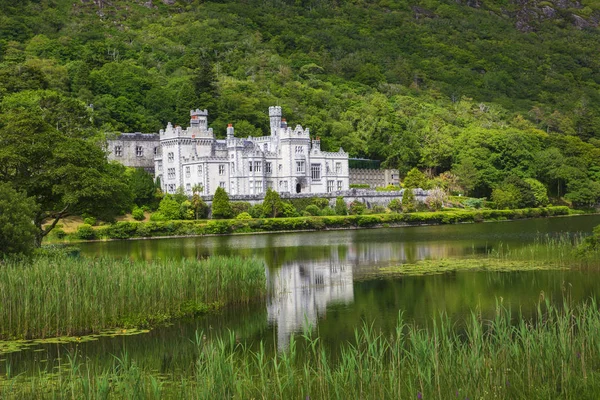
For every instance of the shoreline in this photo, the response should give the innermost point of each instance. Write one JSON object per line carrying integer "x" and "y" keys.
{"x": 233, "y": 227}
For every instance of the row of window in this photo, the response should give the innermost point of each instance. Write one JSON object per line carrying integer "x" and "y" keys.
{"x": 139, "y": 151}
{"x": 256, "y": 166}
{"x": 330, "y": 185}
{"x": 257, "y": 185}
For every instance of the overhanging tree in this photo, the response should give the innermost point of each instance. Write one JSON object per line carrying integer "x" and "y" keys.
{"x": 49, "y": 152}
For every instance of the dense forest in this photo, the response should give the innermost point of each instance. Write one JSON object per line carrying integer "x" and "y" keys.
{"x": 481, "y": 92}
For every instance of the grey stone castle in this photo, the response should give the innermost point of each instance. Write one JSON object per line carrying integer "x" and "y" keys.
{"x": 287, "y": 160}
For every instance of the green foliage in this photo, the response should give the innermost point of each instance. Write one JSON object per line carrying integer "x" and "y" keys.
{"x": 125, "y": 230}
{"x": 409, "y": 202}
{"x": 17, "y": 232}
{"x": 395, "y": 205}
{"x": 472, "y": 202}
{"x": 388, "y": 188}
{"x": 221, "y": 208}
{"x": 238, "y": 207}
{"x": 340, "y": 206}
{"x": 85, "y": 232}
{"x": 320, "y": 202}
{"x": 169, "y": 208}
{"x": 357, "y": 208}
{"x": 387, "y": 94}
{"x": 51, "y": 153}
{"x": 583, "y": 192}
{"x": 186, "y": 286}
{"x": 289, "y": 211}
{"x": 312, "y": 209}
{"x": 506, "y": 197}
{"x": 90, "y": 221}
{"x": 539, "y": 192}
{"x": 138, "y": 214}
{"x": 157, "y": 216}
{"x": 243, "y": 216}
{"x": 592, "y": 242}
{"x": 142, "y": 186}
{"x": 360, "y": 186}
{"x": 377, "y": 209}
{"x": 256, "y": 211}
{"x": 272, "y": 204}
{"x": 415, "y": 179}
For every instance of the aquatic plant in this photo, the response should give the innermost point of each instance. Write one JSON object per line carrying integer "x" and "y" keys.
{"x": 555, "y": 354}
{"x": 56, "y": 296}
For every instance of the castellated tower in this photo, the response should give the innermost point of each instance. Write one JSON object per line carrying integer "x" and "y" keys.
{"x": 275, "y": 118}
{"x": 199, "y": 119}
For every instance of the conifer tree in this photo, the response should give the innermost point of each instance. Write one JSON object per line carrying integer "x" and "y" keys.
{"x": 272, "y": 205}
{"x": 340, "y": 206}
{"x": 221, "y": 207}
{"x": 409, "y": 203}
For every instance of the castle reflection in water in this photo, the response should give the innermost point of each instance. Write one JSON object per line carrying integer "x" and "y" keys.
{"x": 301, "y": 293}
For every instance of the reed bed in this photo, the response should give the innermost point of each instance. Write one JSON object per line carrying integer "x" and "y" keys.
{"x": 554, "y": 355}
{"x": 563, "y": 250}
{"x": 61, "y": 296}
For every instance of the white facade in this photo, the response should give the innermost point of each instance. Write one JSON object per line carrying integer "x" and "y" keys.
{"x": 287, "y": 160}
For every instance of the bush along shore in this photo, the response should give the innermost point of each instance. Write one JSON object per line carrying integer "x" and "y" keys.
{"x": 126, "y": 230}
{"x": 56, "y": 296}
{"x": 555, "y": 354}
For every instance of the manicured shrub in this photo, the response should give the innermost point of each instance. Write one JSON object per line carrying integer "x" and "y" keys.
{"x": 244, "y": 215}
{"x": 138, "y": 214}
{"x": 85, "y": 232}
{"x": 121, "y": 230}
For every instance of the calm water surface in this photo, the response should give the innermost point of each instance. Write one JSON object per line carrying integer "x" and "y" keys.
{"x": 318, "y": 279}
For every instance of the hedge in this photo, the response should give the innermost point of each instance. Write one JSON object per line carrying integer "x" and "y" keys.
{"x": 124, "y": 230}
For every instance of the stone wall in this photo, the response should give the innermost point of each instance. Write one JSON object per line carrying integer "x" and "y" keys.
{"x": 368, "y": 197}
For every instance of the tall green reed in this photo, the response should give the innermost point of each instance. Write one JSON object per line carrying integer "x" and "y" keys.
{"x": 555, "y": 354}
{"x": 72, "y": 296}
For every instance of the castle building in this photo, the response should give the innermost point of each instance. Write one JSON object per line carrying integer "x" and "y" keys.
{"x": 136, "y": 150}
{"x": 287, "y": 160}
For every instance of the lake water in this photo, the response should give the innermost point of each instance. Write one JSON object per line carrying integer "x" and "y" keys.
{"x": 321, "y": 280}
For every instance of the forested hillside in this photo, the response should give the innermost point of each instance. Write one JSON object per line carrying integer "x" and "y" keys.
{"x": 483, "y": 89}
